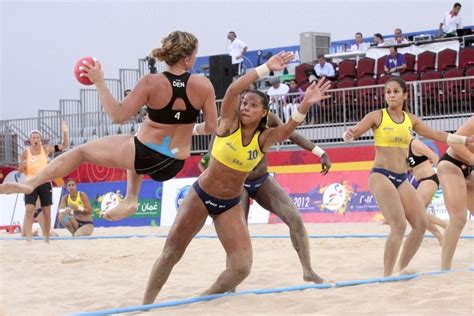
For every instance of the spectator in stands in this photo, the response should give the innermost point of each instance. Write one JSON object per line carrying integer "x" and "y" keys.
{"x": 277, "y": 94}
{"x": 174, "y": 99}
{"x": 293, "y": 98}
{"x": 75, "y": 211}
{"x": 398, "y": 36}
{"x": 324, "y": 69}
{"x": 451, "y": 21}
{"x": 237, "y": 49}
{"x": 395, "y": 63}
{"x": 378, "y": 40}
{"x": 34, "y": 160}
{"x": 359, "y": 45}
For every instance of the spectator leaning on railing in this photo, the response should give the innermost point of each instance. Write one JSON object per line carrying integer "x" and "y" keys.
{"x": 451, "y": 21}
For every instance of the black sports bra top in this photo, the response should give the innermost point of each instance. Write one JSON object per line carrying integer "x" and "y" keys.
{"x": 167, "y": 115}
{"x": 414, "y": 160}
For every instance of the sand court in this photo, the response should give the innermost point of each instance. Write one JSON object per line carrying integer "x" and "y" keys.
{"x": 70, "y": 276}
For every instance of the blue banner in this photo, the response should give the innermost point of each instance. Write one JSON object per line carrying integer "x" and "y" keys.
{"x": 106, "y": 195}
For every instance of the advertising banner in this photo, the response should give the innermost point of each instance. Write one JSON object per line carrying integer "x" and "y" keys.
{"x": 335, "y": 197}
{"x": 105, "y": 195}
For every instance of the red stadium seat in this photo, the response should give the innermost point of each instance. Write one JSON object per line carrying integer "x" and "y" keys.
{"x": 367, "y": 99}
{"x": 365, "y": 67}
{"x": 347, "y": 69}
{"x": 411, "y": 60}
{"x": 410, "y": 76}
{"x": 381, "y": 64}
{"x": 446, "y": 59}
{"x": 430, "y": 91}
{"x": 466, "y": 57}
{"x": 426, "y": 61}
{"x": 302, "y": 72}
{"x": 453, "y": 89}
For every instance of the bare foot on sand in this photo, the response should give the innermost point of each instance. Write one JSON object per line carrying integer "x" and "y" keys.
{"x": 123, "y": 210}
{"x": 313, "y": 277}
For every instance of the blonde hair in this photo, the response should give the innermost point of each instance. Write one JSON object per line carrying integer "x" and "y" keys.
{"x": 174, "y": 47}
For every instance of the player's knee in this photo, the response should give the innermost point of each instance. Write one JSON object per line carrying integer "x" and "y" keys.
{"x": 242, "y": 269}
{"x": 398, "y": 228}
{"x": 172, "y": 253}
{"x": 458, "y": 220}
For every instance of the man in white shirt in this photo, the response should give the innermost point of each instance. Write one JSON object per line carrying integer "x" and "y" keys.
{"x": 451, "y": 21}
{"x": 359, "y": 45}
{"x": 237, "y": 49}
{"x": 277, "y": 94}
{"x": 323, "y": 69}
{"x": 398, "y": 36}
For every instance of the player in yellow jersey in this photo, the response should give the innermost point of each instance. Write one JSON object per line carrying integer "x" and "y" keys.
{"x": 397, "y": 199}
{"x": 267, "y": 192}
{"x": 75, "y": 211}
{"x": 33, "y": 160}
{"x": 241, "y": 141}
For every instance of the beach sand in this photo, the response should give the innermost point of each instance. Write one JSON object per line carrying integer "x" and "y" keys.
{"x": 69, "y": 276}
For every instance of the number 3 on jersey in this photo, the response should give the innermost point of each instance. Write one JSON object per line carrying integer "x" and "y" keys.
{"x": 176, "y": 116}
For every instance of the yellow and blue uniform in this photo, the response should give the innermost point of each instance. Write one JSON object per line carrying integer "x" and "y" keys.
{"x": 230, "y": 151}
{"x": 393, "y": 134}
{"x": 77, "y": 202}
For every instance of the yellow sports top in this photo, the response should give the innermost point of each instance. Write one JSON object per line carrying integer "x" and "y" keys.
{"x": 391, "y": 134}
{"x": 35, "y": 163}
{"x": 77, "y": 202}
{"x": 230, "y": 151}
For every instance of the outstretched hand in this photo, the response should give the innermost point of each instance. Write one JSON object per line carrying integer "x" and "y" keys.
{"x": 280, "y": 61}
{"x": 93, "y": 72}
{"x": 349, "y": 135}
{"x": 317, "y": 92}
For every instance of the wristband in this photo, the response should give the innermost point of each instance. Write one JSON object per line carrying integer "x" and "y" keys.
{"x": 262, "y": 70}
{"x": 346, "y": 138}
{"x": 318, "y": 151}
{"x": 80, "y": 208}
{"x": 456, "y": 139}
{"x": 297, "y": 116}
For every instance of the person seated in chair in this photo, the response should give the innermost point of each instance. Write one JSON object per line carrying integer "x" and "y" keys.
{"x": 395, "y": 63}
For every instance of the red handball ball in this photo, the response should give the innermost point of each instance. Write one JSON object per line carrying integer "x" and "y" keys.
{"x": 78, "y": 72}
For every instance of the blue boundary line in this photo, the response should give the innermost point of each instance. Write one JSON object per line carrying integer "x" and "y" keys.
{"x": 215, "y": 237}
{"x": 262, "y": 291}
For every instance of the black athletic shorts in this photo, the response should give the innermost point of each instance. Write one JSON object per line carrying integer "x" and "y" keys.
{"x": 158, "y": 166}
{"x": 45, "y": 193}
